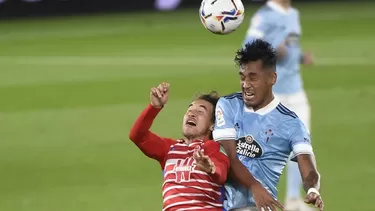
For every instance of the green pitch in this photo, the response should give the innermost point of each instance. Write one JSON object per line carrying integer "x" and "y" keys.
{"x": 71, "y": 88}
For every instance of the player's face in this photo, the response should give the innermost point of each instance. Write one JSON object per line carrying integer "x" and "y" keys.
{"x": 256, "y": 83}
{"x": 198, "y": 120}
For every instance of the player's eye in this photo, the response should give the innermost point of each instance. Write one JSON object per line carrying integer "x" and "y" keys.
{"x": 253, "y": 78}
{"x": 200, "y": 112}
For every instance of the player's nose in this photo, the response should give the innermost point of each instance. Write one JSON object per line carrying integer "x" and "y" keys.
{"x": 246, "y": 85}
{"x": 191, "y": 114}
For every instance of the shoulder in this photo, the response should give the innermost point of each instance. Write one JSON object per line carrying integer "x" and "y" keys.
{"x": 294, "y": 10}
{"x": 263, "y": 14}
{"x": 285, "y": 112}
{"x": 232, "y": 99}
{"x": 285, "y": 119}
{"x": 265, "y": 10}
{"x": 211, "y": 146}
{"x": 230, "y": 103}
{"x": 296, "y": 128}
{"x": 235, "y": 95}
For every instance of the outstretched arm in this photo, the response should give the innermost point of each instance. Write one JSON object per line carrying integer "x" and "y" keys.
{"x": 152, "y": 145}
{"x": 149, "y": 143}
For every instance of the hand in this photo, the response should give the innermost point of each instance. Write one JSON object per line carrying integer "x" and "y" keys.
{"x": 307, "y": 58}
{"x": 159, "y": 95}
{"x": 263, "y": 199}
{"x": 315, "y": 199}
{"x": 203, "y": 162}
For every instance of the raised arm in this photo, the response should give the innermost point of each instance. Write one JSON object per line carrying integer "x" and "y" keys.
{"x": 225, "y": 133}
{"x": 303, "y": 154}
{"x": 152, "y": 145}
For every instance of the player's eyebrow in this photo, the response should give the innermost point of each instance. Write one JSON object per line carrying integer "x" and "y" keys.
{"x": 203, "y": 107}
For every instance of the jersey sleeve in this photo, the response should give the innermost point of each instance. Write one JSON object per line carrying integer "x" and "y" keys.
{"x": 262, "y": 27}
{"x": 152, "y": 145}
{"x": 300, "y": 140}
{"x": 224, "y": 121}
{"x": 220, "y": 159}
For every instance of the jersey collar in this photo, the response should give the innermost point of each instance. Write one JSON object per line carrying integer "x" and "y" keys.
{"x": 266, "y": 109}
{"x": 277, "y": 7}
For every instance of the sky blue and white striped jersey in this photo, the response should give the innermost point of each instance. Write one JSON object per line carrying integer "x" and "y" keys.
{"x": 277, "y": 25}
{"x": 265, "y": 139}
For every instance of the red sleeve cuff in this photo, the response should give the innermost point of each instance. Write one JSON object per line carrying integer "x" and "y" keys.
{"x": 152, "y": 111}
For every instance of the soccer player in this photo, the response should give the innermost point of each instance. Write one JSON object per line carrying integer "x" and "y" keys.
{"x": 259, "y": 133}
{"x": 195, "y": 167}
{"x": 279, "y": 24}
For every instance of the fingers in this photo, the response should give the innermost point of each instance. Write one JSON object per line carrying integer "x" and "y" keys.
{"x": 163, "y": 87}
{"x": 160, "y": 90}
{"x": 319, "y": 203}
{"x": 200, "y": 153}
{"x": 196, "y": 155}
{"x": 311, "y": 197}
{"x": 271, "y": 207}
{"x": 156, "y": 92}
{"x": 316, "y": 200}
{"x": 278, "y": 204}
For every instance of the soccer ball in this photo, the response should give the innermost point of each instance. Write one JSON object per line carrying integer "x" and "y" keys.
{"x": 221, "y": 16}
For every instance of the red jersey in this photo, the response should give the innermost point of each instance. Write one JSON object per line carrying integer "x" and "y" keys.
{"x": 185, "y": 187}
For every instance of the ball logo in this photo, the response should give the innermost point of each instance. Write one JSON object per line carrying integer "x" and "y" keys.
{"x": 249, "y": 147}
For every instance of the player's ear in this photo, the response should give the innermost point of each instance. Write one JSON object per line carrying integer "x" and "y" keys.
{"x": 273, "y": 77}
{"x": 212, "y": 127}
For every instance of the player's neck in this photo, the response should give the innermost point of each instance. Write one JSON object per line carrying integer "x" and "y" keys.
{"x": 283, "y": 3}
{"x": 265, "y": 102}
{"x": 188, "y": 140}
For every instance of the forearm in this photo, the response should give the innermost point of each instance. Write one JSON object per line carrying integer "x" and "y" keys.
{"x": 241, "y": 174}
{"x": 221, "y": 164}
{"x": 312, "y": 180}
{"x": 309, "y": 172}
{"x": 142, "y": 125}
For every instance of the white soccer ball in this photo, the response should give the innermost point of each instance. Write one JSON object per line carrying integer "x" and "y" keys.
{"x": 221, "y": 16}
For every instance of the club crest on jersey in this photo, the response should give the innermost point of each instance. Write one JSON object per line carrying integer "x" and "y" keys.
{"x": 183, "y": 169}
{"x": 219, "y": 117}
{"x": 249, "y": 147}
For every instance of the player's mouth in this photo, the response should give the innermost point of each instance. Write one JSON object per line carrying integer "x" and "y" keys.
{"x": 191, "y": 122}
{"x": 248, "y": 95}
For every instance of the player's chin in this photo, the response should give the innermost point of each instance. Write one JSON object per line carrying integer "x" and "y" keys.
{"x": 250, "y": 102}
{"x": 189, "y": 131}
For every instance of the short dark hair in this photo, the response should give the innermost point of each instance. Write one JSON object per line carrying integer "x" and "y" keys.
{"x": 257, "y": 50}
{"x": 212, "y": 97}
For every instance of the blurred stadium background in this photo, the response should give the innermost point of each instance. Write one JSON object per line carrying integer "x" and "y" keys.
{"x": 71, "y": 86}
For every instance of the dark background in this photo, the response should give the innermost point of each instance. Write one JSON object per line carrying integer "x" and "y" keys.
{"x": 20, "y": 8}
